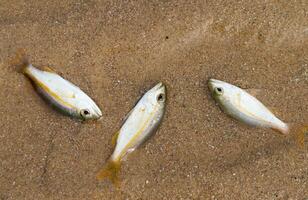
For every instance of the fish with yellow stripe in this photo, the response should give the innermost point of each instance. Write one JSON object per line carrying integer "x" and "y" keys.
{"x": 244, "y": 107}
{"x": 62, "y": 94}
{"x": 141, "y": 123}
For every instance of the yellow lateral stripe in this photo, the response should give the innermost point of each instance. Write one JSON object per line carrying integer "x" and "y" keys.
{"x": 138, "y": 133}
{"x": 51, "y": 93}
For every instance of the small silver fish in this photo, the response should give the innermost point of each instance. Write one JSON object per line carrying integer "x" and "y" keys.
{"x": 140, "y": 124}
{"x": 244, "y": 107}
{"x": 63, "y": 94}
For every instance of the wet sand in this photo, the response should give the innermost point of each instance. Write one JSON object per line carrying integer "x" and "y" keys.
{"x": 115, "y": 51}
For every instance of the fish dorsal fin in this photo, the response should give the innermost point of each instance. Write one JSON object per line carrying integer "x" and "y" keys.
{"x": 274, "y": 110}
{"x": 127, "y": 115}
{"x": 253, "y": 92}
{"x": 48, "y": 69}
{"x": 115, "y": 138}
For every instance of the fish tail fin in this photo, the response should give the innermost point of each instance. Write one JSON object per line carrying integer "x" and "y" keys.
{"x": 284, "y": 130}
{"x": 21, "y": 61}
{"x": 110, "y": 170}
{"x": 299, "y": 131}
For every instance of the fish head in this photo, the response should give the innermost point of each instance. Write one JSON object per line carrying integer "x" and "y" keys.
{"x": 90, "y": 110}
{"x": 157, "y": 95}
{"x": 221, "y": 90}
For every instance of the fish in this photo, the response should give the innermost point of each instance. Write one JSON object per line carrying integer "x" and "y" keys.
{"x": 244, "y": 107}
{"x": 141, "y": 122}
{"x": 59, "y": 92}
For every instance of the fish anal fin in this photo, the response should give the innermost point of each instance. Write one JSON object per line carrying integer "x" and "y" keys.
{"x": 110, "y": 171}
{"x": 115, "y": 138}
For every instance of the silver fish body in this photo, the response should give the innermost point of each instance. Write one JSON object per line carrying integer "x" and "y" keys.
{"x": 140, "y": 124}
{"x": 142, "y": 121}
{"x": 62, "y": 94}
{"x": 244, "y": 107}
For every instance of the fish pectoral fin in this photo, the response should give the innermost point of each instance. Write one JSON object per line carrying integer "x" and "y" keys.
{"x": 114, "y": 139}
{"x": 66, "y": 93}
{"x": 110, "y": 171}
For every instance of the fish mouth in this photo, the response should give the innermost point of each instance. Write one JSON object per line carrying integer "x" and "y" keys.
{"x": 99, "y": 118}
{"x": 159, "y": 86}
{"x": 211, "y": 84}
{"x": 99, "y": 114}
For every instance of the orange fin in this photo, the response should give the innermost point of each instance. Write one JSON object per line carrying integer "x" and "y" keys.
{"x": 110, "y": 171}
{"x": 300, "y": 136}
{"x": 298, "y": 132}
{"x": 114, "y": 139}
{"x": 21, "y": 61}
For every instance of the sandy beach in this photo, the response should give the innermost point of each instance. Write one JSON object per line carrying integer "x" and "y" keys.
{"x": 115, "y": 51}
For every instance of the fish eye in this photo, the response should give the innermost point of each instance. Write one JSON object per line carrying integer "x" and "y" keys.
{"x": 84, "y": 113}
{"x": 160, "y": 97}
{"x": 219, "y": 90}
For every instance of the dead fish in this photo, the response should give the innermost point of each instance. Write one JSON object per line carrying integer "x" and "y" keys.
{"x": 244, "y": 107}
{"x": 61, "y": 93}
{"x": 140, "y": 124}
